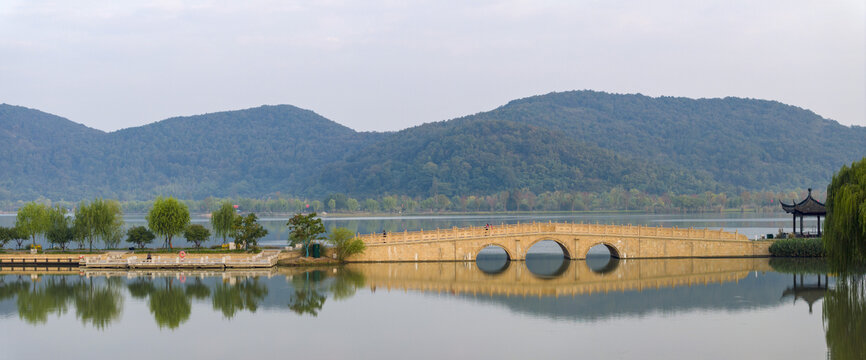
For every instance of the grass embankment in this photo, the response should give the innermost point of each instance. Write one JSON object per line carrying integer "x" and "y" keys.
{"x": 798, "y": 247}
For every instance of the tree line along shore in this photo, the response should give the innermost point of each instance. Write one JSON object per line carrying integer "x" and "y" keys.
{"x": 616, "y": 199}
{"x": 101, "y": 222}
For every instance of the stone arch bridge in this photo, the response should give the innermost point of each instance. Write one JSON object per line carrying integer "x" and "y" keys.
{"x": 623, "y": 241}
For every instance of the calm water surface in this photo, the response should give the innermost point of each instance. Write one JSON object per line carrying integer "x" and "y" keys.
{"x": 545, "y": 307}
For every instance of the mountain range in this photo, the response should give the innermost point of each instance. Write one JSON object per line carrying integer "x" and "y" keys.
{"x": 570, "y": 141}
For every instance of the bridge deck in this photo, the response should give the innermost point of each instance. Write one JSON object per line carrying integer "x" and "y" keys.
{"x": 457, "y": 244}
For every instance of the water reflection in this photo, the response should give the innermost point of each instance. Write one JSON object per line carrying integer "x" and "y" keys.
{"x": 230, "y": 297}
{"x": 845, "y": 319}
{"x": 602, "y": 264}
{"x": 96, "y": 302}
{"x": 543, "y": 285}
{"x": 547, "y": 266}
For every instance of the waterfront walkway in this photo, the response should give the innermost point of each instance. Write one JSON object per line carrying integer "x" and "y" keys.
{"x": 127, "y": 260}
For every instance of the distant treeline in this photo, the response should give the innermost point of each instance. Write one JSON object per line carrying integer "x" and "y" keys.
{"x": 617, "y": 199}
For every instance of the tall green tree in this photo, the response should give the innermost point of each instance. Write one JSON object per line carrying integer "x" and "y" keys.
{"x": 196, "y": 234}
{"x": 60, "y": 231}
{"x": 32, "y": 220}
{"x": 18, "y": 237}
{"x": 845, "y": 227}
{"x": 247, "y": 231}
{"x": 168, "y": 218}
{"x": 99, "y": 219}
{"x": 140, "y": 236}
{"x": 222, "y": 220}
{"x": 304, "y": 229}
{"x": 108, "y": 221}
{"x": 6, "y": 235}
{"x": 82, "y": 225}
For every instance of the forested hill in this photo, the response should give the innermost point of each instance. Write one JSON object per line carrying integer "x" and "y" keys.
{"x": 755, "y": 144}
{"x": 573, "y": 141}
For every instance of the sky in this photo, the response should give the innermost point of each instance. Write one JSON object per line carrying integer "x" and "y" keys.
{"x": 387, "y": 64}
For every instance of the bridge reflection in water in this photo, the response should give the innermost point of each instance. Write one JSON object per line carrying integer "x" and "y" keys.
{"x": 571, "y": 277}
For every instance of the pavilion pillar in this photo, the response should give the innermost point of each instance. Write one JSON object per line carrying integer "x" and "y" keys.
{"x": 794, "y": 218}
{"x": 819, "y": 225}
{"x": 801, "y": 225}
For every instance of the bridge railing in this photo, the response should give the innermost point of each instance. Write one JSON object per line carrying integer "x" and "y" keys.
{"x": 550, "y": 227}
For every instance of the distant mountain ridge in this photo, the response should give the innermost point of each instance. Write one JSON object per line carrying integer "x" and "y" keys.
{"x": 571, "y": 141}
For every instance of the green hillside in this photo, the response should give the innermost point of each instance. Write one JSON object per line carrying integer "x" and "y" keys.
{"x": 479, "y": 157}
{"x": 754, "y": 144}
{"x": 572, "y": 141}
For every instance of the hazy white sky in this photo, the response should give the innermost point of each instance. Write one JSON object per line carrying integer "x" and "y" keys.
{"x": 387, "y": 65}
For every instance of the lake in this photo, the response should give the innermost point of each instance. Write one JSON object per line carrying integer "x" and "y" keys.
{"x": 545, "y": 307}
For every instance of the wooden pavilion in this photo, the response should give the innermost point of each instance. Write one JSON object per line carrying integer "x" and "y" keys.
{"x": 808, "y": 207}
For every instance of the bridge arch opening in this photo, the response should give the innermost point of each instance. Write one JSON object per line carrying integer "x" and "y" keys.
{"x": 547, "y": 259}
{"x": 492, "y": 259}
{"x": 602, "y": 258}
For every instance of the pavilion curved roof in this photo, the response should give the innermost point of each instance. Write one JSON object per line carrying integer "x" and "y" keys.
{"x": 809, "y": 206}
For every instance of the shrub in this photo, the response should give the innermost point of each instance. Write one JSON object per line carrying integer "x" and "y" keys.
{"x": 798, "y": 247}
{"x": 345, "y": 243}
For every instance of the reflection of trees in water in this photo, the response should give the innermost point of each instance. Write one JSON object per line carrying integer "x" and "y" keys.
{"x": 197, "y": 289}
{"x": 346, "y": 283}
{"x": 141, "y": 288}
{"x": 313, "y": 287}
{"x": 169, "y": 305}
{"x": 307, "y": 298}
{"x": 98, "y": 301}
{"x": 11, "y": 287}
{"x": 97, "y": 304}
{"x": 245, "y": 294}
{"x": 51, "y": 296}
{"x": 845, "y": 318}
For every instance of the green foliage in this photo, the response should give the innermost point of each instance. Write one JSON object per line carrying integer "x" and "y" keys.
{"x": 222, "y": 220}
{"x": 196, "y": 234}
{"x": 305, "y": 228}
{"x": 18, "y": 237}
{"x": 845, "y": 226}
{"x": 140, "y": 236}
{"x": 345, "y": 244}
{"x": 32, "y": 220}
{"x": 579, "y": 141}
{"x": 797, "y": 247}
{"x": 60, "y": 231}
{"x": 6, "y": 235}
{"x": 168, "y": 218}
{"x": 246, "y": 231}
{"x": 99, "y": 219}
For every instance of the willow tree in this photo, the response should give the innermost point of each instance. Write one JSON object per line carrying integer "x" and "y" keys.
{"x": 222, "y": 220}
{"x": 168, "y": 218}
{"x": 845, "y": 227}
{"x": 59, "y": 231}
{"x": 32, "y": 220}
{"x": 102, "y": 219}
